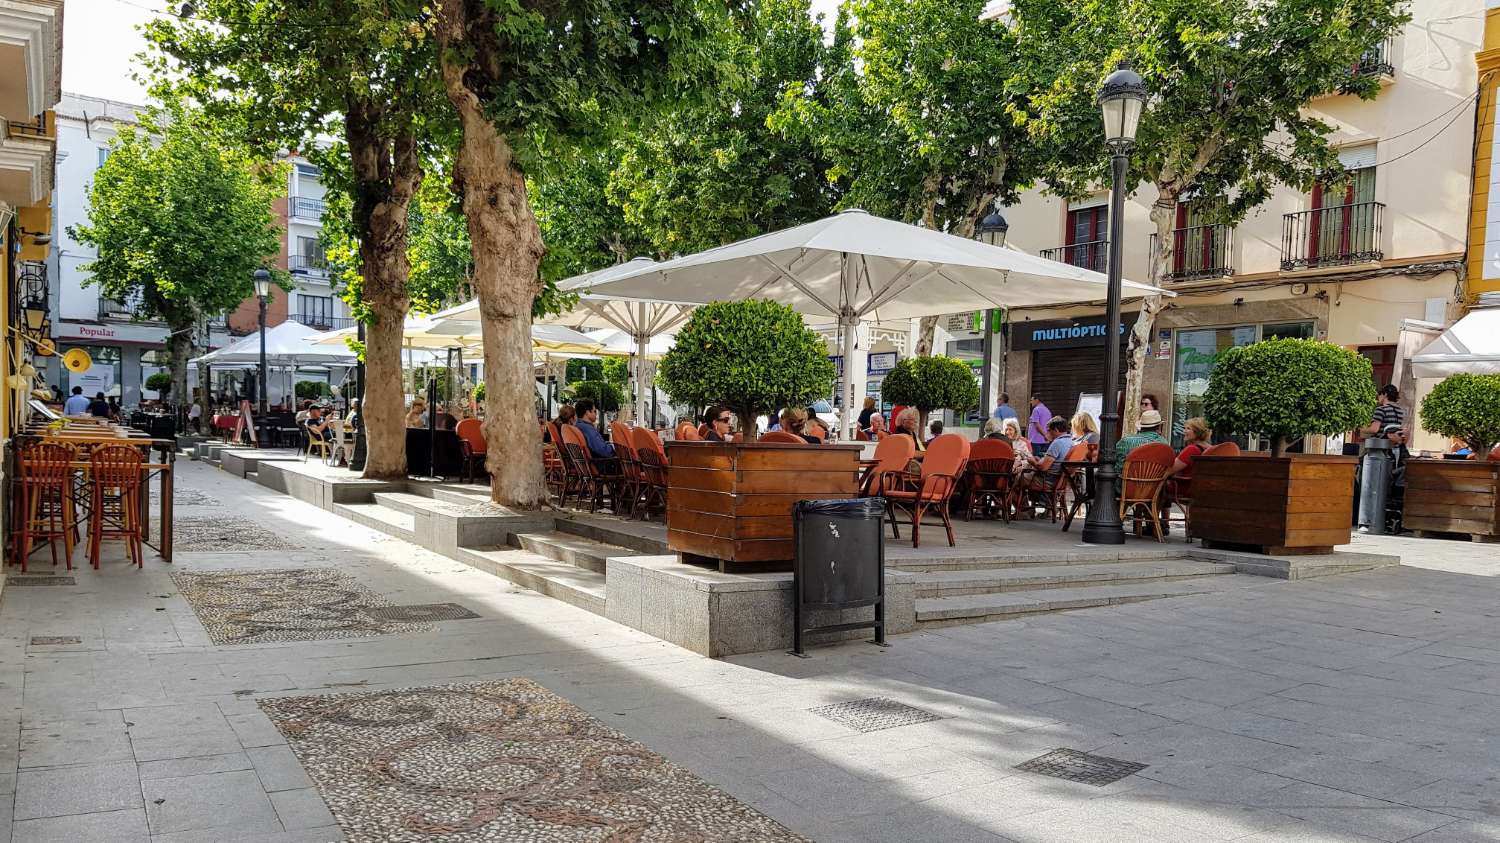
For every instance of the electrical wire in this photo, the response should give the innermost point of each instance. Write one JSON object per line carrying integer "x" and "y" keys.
{"x": 179, "y": 15}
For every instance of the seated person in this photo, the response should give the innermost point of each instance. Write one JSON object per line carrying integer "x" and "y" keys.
{"x": 1010, "y": 428}
{"x": 934, "y": 430}
{"x": 1195, "y": 436}
{"x": 586, "y": 421}
{"x": 908, "y": 423}
{"x": 315, "y": 425}
{"x": 993, "y": 429}
{"x": 1460, "y": 448}
{"x": 793, "y": 421}
{"x": 876, "y": 430}
{"x": 1047, "y": 468}
{"x": 417, "y": 415}
{"x": 815, "y": 427}
{"x": 718, "y": 419}
{"x": 1149, "y": 431}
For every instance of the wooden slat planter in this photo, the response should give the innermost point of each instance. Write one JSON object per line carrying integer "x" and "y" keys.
{"x": 731, "y": 504}
{"x": 1453, "y": 496}
{"x": 1302, "y": 503}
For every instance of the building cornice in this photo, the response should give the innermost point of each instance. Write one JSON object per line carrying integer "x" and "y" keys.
{"x": 36, "y": 27}
{"x": 34, "y": 158}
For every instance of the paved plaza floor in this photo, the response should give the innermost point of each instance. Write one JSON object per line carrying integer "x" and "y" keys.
{"x": 302, "y": 678}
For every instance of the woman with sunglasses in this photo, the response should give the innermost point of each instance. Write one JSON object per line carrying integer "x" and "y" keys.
{"x": 717, "y": 418}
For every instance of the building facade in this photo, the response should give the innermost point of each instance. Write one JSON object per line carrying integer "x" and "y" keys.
{"x": 1377, "y": 265}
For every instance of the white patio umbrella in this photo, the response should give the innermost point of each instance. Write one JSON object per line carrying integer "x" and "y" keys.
{"x": 288, "y": 344}
{"x": 1472, "y": 344}
{"x": 855, "y": 266}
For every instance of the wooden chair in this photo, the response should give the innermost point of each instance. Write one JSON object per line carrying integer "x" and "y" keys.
{"x": 115, "y": 477}
{"x": 988, "y": 477}
{"x": 597, "y": 480}
{"x": 942, "y": 468}
{"x": 555, "y": 464}
{"x": 471, "y": 445}
{"x": 1141, "y": 484}
{"x": 630, "y": 468}
{"x": 894, "y": 455}
{"x": 46, "y": 499}
{"x": 652, "y": 458}
{"x": 1075, "y": 480}
{"x": 782, "y": 437}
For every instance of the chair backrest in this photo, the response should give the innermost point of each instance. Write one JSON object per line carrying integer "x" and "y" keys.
{"x": 989, "y": 460}
{"x": 991, "y": 449}
{"x": 115, "y": 467}
{"x": 945, "y": 455}
{"x": 859, "y": 435}
{"x": 1146, "y": 468}
{"x": 702, "y": 431}
{"x": 555, "y": 434}
{"x": 619, "y": 432}
{"x": 688, "y": 433}
{"x": 645, "y": 439}
{"x": 1495, "y": 453}
{"x": 46, "y": 463}
{"x": 472, "y": 432}
{"x": 782, "y": 437}
{"x": 1078, "y": 453}
{"x": 1223, "y": 449}
{"x": 573, "y": 436}
{"x": 577, "y": 455}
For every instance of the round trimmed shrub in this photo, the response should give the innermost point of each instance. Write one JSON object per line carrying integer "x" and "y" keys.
{"x": 1286, "y": 388}
{"x": 1466, "y": 407}
{"x": 160, "y": 383}
{"x": 605, "y": 395}
{"x": 931, "y": 383}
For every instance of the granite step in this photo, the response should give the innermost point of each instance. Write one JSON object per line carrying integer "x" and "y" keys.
{"x": 637, "y": 538}
{"x": 404, "y": 502}
{"x": 1036, "y": 577}
{"x": 939, "y": 558}
{"x": 979, "y": 608}
{"x": 574, "y": 550}
{"x": 392, "y": 522}
{"x": 563, "y": 581}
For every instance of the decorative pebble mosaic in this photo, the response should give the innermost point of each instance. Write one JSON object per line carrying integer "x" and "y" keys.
{"x": 184, "y": 496}
{"x": 300, "y": 604}
{"x": 218, "y": 533}
{"x": 499, "y": 761}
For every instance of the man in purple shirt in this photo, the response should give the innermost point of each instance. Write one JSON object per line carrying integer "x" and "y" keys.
{"x": 1036, "y": 428}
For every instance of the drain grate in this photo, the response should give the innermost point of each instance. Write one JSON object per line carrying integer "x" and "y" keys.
{"x": 420, "y": 613}
{"x": 874, "y": 714}
{"x": 24, "y": 579}
{"x": 1080, "y": 767}
{"x": 40, "y": 640}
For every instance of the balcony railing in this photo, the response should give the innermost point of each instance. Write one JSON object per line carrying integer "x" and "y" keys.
{"x": 1377, "y": 62}
{"x": 116, "y": 309}
{"x": 1336, "y": 236}
{"x": 1198, "y": 252}
{"x": 308, "y": 264}
{"x": 1091, "y": 255}
{"x": 324, "y": 323}
{"x": 311, "y": 209}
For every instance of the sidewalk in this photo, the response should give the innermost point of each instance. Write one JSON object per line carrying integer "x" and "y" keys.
{"x": 1351, "y": 708}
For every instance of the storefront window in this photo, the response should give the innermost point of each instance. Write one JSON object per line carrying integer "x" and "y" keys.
{"x": 152, "y": 361}
{"x": 102, "y": 376}
{"x": 1197, "y": 351}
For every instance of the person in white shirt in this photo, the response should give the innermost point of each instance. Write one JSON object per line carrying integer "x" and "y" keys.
{"x": 77, "y": 404}
{"x": 195, "y": 416}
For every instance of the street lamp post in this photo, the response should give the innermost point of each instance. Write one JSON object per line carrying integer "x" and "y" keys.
{"x": 1122, "y": 99}
{"x": 992, "y": 230}
{"x": 262, "y": 292}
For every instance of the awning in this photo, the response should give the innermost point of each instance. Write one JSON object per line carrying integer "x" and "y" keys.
{"x": 1472, "y": 344}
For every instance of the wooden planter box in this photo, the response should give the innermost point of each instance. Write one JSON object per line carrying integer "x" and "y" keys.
{"x": 1453, "y": 496}
{"x": 731, "y": 504}
{"x": 1296, "y": 504}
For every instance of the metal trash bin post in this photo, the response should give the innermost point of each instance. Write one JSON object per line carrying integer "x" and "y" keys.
{"x": 839, "y": 563}
{"x": 1375, "y": 469}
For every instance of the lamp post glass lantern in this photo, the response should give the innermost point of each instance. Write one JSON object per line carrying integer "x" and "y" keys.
{"x": 262, "y": 292}
{"x": 1121, "y": 100}
{"x": 991, "y": 230}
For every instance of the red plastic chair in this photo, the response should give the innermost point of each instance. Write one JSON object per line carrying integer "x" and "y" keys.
{"x": 1141, "y": 485}
{"x": 894, "y": 455}
{"x": 988, "y": 477}
{"x": 942, "y": 467}
{"x": 472, "y": 444}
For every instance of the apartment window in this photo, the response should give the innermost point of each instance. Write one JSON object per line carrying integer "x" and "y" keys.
{"x": 315, "y": 310}
{"x": 1344, "y": 223}
{"x": 103, "y": 155}
{"x": 1087, "y": 241}
{"x": 1200, "y": 248}
{"x": 309, "y": 255}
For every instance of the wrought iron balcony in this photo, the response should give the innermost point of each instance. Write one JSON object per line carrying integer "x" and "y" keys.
{"x": 323, "y": 322}
{"x": 311, "y": 209}
{"x": 1091, "y": 255}
{"x": 116, "y": 309}
{"x": 308, "y": 264}
{"x": 1377, "y": 62}
{"x": 1336, "y": 236}
{"x": 1198, "y": 252}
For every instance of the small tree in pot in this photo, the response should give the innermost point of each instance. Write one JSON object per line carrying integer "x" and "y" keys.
{"x": 751, "y": 356}
{"x": 931, "y": 383}
{"x": 1286, "y": 388}
{"x": 1466, "y": 407}
{"x": 605, "y": 395}
{"x": 160, "y": 383}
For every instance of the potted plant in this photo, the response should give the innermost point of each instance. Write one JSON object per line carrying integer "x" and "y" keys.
{"x": 732, "y": 501}
{"x": 931, "y": 383}
{"x": 1281, "y": 389}
{"x": 605, "y": 395}
{"x": 160, "y": 383}
{"x": 1458, "y": 496}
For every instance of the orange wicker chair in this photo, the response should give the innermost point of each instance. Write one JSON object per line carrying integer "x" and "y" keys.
{"x": 555, "y": 462}
{"x": 894, "y": 455}
{"x": 630, "y": 467}
{"x": 1076, "y": 480}
{"x": 687, "y": 431}
{"x": 782, "y": 437}
{"x": 942, "y": 468}
{"x": 988, "y": 477}
{"x": 596, "y": 481}
{"x": 1141, "y": 484}
{"x": 46, "y": 499}
{"x": 115, "y": 475}
{"x": 652, "y": 459}
{"x": 471, "y": 443}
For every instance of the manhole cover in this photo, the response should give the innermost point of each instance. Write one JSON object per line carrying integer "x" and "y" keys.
{"x": 874, "y": 714}
{"x": 39, "y": 640}
{"x": 420, "y": 613}
{"x": 27, "y": 580}
{"x": 1081, "y": 767}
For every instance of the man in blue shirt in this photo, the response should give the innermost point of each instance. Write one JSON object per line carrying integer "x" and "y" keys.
{"x": 77, "y": 405}
{"x": 1003, "y": 410}
{"x": 588, "y": 418}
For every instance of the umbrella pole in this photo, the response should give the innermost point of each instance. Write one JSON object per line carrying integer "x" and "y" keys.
{"x": 849, "y": 416}
{"x": 547, "y": 382}
{"x": 641, "y": 341}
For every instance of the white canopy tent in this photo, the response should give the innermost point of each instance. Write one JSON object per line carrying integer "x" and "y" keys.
{"x": 854, "y": 266}
{"x": 288, "y": 344}
{"x": 1472, "y": 344}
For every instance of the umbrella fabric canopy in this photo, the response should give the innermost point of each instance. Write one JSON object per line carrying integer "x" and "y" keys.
{"x": 428, "y": 332}
{"x": 1472, "y": 344}
{"x": 855, "y": 266}
{"x": 618, "y": 343}
{"x": 287, "y": 344}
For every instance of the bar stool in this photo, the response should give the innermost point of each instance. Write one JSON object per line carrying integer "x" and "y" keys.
{"x": 115, "y": 474}
{"x": 46, "y": 499}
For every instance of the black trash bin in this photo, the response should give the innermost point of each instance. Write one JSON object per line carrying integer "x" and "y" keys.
{"x": 840, "y": 563}
{"x": 1375, "y": 484}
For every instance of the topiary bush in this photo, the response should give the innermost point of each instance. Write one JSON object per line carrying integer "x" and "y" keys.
{"x": 478, "y": 392}
{"x": 312, "y": 390}
{"x": 931, "y": 383}
{"x": 752, "y": 356}
{"x": 160, "y": 383}
{"x": 1286, "y": 388}
{"x": 604, "y": 394}
{"x": 1465, "y": 407}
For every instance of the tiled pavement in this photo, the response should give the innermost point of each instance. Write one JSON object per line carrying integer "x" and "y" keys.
{"x": 1352, "y": 708}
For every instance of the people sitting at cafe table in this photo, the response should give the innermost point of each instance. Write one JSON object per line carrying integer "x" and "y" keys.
{"x": 417, "y": 415}
{"x": 934, "y": 430}
{"x": 794, "y": 421}
{"x": 1195, "y": 440}
{"x": 815, "y": 427}
{"x": 875, "y": 431}
{"x": 718, "y": 419}
{"x": 586, "y": 421}
{"x": 1011, "y": 430}
{"x": 908, "y": 423}
{"x": 1049, "y": 465}
{"x": 1148, "y": 430}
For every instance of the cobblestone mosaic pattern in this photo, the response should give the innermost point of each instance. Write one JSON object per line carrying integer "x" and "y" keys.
{"x": 1081, "y": 767}
{"x": 499, "y": 761}
{"x": 304, "y": 604}
{"x": 218, "y": 533}
{"x": 183, "y": 496}
{"x": 874, "y": 714}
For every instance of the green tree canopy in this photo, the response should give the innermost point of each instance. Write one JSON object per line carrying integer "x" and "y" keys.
{"x": 160, "y": 383}
{"x": 931, "y": 383}
{"x": 751, "y": 356}
{"x": 605, "y": 395}
{"x": 1286, "y": 388}
{"x": 1467, "y": 407}
{"x": 179, "y": 216}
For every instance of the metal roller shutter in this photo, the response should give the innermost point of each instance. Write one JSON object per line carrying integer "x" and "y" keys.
{"x": 1058, "y": 375}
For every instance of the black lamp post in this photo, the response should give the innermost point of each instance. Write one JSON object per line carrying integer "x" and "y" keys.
{"x": 992, "y": 230}
{"x": 1122, "y": 99}
{"x": 262, "y": 292}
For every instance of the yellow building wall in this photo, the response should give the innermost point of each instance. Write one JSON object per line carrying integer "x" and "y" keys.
{"x": 1483, "y": 274}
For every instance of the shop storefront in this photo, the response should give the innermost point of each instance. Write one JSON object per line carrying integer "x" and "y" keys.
{"x": 1060, "y": 361}
{"x": 123, "y": 356}
{"x": 1196, "y": 350}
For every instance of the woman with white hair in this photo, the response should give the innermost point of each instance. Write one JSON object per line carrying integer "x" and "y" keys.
{"x": 909, "y": 424}
{"x": 1012, "y": 429}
